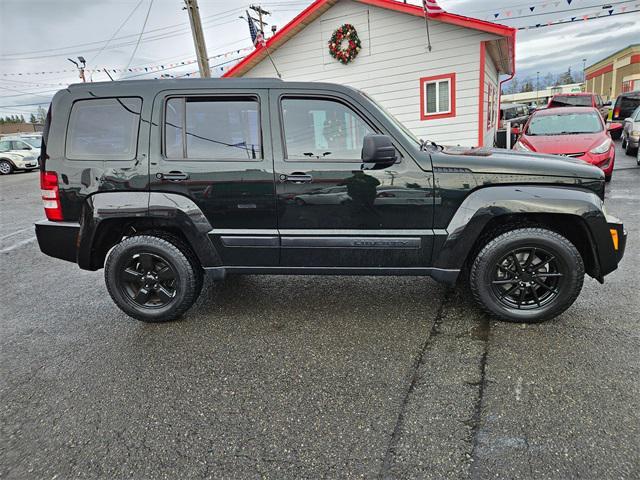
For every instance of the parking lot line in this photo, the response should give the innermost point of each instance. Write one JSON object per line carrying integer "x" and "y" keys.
{"x": 17, "y": 245}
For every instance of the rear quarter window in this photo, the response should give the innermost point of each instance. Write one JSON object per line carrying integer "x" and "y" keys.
{"x": 628, "y": 105}
{"x": 571, "y": 101}
{"x": 103, "y": 129}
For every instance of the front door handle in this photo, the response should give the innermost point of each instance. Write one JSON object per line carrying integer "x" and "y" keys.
{"x": 296, "y": 178}
{"x": 173, "y": 176}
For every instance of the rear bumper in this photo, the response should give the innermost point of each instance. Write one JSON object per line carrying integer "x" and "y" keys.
{"x": 58, "y": 239}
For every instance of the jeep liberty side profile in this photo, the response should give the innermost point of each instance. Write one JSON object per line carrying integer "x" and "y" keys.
{"x": 162, "y": 181}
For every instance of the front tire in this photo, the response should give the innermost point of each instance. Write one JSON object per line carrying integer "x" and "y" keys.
{"x": 151, "y": 278}
{"x": 5, "y": 167}
{"x": 527, "y": 275}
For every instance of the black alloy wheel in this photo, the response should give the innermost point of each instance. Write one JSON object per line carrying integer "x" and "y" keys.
{"x": 153, "y": 277}
{"x": 148, "y": 280}
{"x": 527, "y": 278}
{"x": 527, "y": 275}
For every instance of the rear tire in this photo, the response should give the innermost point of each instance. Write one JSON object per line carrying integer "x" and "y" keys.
{"x": 527, "y": 275}
{"x": 607, "y": 178}
{"x": 151, "y": 278}
{"x": 5, "y": 167}
{"x": 629, "y": 150}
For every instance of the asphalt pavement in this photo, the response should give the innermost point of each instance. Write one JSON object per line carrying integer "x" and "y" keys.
{"x": 312, "y": 377}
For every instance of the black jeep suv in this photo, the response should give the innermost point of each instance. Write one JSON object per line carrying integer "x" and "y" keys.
{"x": 161, "y": 181}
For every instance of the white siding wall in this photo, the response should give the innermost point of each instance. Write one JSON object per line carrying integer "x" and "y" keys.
{"x": 389, "y": 67}
{"x": 490, "y": 78}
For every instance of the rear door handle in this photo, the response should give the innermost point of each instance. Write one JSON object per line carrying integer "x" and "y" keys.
{"x": 173, "y": 176}
{"x": 297, "y": 178}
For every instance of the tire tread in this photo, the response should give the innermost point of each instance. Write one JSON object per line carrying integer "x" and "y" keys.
{"x": 475, "y": 272}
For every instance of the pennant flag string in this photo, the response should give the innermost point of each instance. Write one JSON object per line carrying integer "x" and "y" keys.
{"x": 611, "y": 12}
{"x": 148, "y": 68}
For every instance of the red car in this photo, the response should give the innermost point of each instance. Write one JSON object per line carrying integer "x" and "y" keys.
{"x": 577, "y": 132}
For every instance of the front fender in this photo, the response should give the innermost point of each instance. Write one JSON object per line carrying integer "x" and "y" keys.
{"x": 489, "y": 203}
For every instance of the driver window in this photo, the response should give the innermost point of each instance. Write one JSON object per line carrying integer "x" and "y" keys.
{"x": 325, "y": 129}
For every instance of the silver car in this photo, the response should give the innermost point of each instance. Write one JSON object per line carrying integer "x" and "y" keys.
{"x": 631, "y": 132}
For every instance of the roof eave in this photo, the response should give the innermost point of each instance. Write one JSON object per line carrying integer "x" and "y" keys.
{"x": 318, "y": 7}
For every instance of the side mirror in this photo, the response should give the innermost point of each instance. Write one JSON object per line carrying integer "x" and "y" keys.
{"x": 607, "y": 104}
{"x": 378, "y": 149}
{"x": 613, "y": 126}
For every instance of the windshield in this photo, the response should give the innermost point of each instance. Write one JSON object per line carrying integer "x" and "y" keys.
{"x": 404, "y": 130}
{"x": 565, "y": 124}
{"x": 571, "y": 101}
{"x": 33, "y": 141}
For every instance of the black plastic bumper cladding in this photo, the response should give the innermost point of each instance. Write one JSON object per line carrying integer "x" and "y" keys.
{"x": 58, "y": 239}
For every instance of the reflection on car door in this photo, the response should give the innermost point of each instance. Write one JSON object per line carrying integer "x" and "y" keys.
{"x": 214, "y": 153}
{"x": 332, "y": 209}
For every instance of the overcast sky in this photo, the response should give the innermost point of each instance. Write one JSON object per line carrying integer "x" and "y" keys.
{"x": 39, "y": 35}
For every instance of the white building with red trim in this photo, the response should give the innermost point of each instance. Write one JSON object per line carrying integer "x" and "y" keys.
{"x": 449, "y": 94}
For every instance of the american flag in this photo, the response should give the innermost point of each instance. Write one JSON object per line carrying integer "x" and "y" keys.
{"x": 256, "y": 35}
{"x": 431, "y": 7}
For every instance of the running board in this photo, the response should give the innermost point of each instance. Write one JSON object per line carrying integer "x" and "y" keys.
{"x": 443, "y": 275}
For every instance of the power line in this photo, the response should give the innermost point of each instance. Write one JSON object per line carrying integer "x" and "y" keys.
{"x": 144, "y": 24}
{"x": 71, "y": 48}
{"x": 116, "y": 32}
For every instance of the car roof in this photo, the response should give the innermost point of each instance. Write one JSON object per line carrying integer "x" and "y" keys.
{"x": 166, "y": 84}
{"x": 512, "y": 105}
{"x": 630, "y": 95}
{"x": 565, "y": 111}
{"x": 575, "y": 94}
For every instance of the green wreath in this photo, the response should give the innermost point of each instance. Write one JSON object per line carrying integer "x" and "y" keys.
{"x": 345, "y": 44}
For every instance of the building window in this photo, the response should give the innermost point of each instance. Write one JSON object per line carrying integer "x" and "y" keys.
{"x": 492, "y": 106}
{"x": 438, "y": 96}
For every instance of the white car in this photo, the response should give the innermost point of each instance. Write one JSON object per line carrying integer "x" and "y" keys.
{"x": 17, "y": 155}
{"x": 25, "y": 143}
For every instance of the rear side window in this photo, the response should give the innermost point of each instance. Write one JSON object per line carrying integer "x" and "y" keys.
{"x": 571, "y": 101}
{"x": 213, "y": 128}
{"x": 5, "y": 146}
{"x": 103, "y": 129}
{"x": 627, "y": 106}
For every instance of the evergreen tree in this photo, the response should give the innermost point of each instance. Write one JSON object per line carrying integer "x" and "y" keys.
{"x": 41, "y": 115}
{"x": 566, "y": 78}
{"x": 32, "y": 118}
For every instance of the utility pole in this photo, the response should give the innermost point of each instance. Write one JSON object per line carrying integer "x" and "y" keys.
{"x": 537, "y": 87}
{"x": 198, "y": 37}
{"x": 584, "y": 74}
{"x": 260, "y": 11}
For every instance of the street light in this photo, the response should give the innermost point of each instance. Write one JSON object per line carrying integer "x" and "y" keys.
{"x": 80, "y": 66}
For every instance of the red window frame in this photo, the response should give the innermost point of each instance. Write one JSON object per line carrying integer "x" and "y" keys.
{"x": 452, "y": 96}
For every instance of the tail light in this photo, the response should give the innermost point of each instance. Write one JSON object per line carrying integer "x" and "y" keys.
{"x": 50, "y": 195}
{"x": 616, "y": 112}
